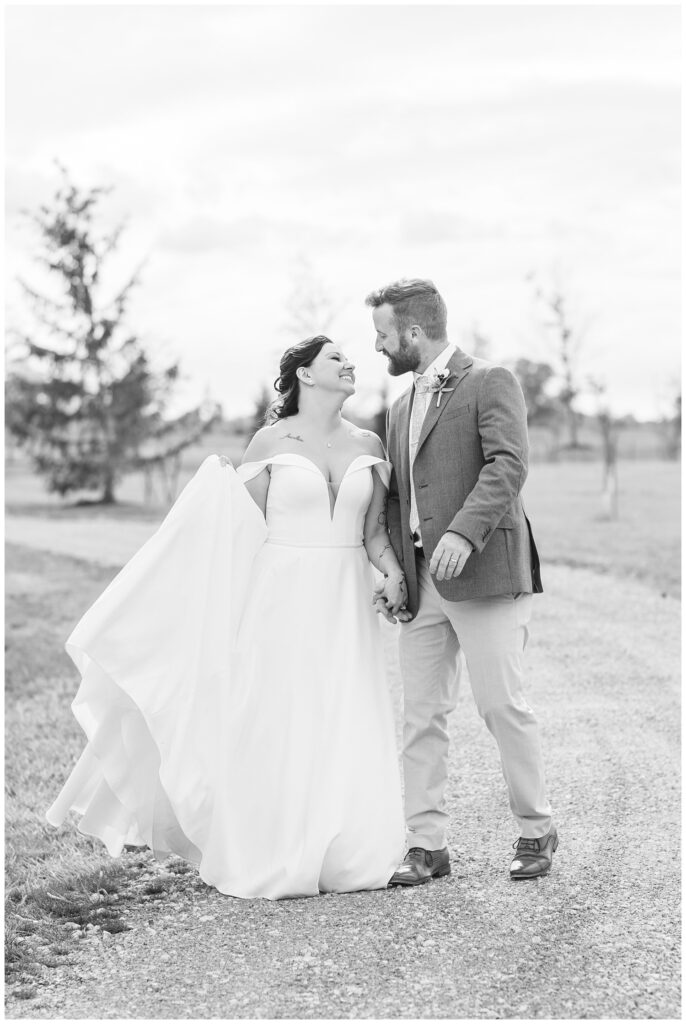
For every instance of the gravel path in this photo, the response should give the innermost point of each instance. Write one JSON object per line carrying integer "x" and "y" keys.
{"x": 598, "y": 938}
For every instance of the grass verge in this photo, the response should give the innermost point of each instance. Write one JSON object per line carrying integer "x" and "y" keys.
{"x": 62, "y": 889}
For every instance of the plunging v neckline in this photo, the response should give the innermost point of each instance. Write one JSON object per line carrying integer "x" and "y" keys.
{"x": 329, "y": 483}
{"x": 279, "y": 458}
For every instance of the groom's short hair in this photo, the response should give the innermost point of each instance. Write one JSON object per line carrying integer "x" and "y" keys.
{"x": 415, "y": 301}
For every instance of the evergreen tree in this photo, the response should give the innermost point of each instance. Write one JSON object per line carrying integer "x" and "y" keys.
{"x": 84, "y": 399}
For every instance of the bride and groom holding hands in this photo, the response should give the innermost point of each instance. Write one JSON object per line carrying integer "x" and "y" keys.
{"x": 234, "y": 692}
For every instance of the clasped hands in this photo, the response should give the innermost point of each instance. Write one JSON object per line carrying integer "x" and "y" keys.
{"x": 447, "y": 562}
{"x": 390, "y": 598}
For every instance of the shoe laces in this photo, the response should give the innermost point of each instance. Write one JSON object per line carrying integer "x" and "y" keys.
{"x": 522, "y": 845}
{"x": 416, "y": 853}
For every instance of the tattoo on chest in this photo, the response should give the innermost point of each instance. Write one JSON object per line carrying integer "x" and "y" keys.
{"x": 294, "y": 437}
{"x": 382, "y": 518}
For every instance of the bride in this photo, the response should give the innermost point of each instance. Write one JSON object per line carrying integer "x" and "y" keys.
{"x": 233, "y": 689}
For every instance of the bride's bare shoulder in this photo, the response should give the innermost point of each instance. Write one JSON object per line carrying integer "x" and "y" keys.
{"x": 369, "y": 442}
{"x": 262, "y": 443}
{"x": 272, "y": 439}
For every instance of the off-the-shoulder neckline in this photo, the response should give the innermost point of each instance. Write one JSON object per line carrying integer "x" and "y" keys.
{"x": 373, "y": 459}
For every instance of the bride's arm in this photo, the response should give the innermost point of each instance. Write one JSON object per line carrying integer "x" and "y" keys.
{"x": 379, "y": 549}
{"x": 258, "y": 486}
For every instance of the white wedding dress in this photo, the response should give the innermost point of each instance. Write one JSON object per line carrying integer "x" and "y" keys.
{"x": 234, "y": 694}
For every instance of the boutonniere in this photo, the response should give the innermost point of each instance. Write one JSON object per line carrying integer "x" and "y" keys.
{"x": 437, "y": 385}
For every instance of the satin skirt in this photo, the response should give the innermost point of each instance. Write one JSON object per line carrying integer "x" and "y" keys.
{"x": 235, "y": 705}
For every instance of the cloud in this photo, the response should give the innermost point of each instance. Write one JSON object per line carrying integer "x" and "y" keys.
{"x": 206, "y": 236}
{"x": 245, "y": 236}
{"x": 467, "y": 143}
{"x": 428, "y": 227}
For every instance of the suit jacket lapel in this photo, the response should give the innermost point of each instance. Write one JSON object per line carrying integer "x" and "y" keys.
{"x": 459, "y": 366}
{"x": 403, "y": 437}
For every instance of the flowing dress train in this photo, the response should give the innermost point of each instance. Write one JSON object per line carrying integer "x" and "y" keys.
{"x": 234, "y": 693}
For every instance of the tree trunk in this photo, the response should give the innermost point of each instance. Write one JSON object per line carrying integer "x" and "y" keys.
{"x": 573, "y": 428}
{"x": 176, "y": 474}
{"x": 170, "y": 467}
{"x": 610, "y": 492}
{"x": 108, "y": 497}
{"x": 147, "y": 485}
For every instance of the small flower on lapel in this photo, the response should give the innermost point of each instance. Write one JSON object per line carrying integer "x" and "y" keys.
{"x": 437, "y": 385}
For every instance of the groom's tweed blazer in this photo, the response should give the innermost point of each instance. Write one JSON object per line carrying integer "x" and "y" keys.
{"x": 470, "y": 466}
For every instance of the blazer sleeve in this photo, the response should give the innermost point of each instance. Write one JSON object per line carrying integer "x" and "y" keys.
{"x": 501, "y": 419}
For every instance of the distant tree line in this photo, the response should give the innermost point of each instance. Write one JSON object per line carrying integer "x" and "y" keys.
{"x": 86, "y": 402}
{"x": 552, "y": 387}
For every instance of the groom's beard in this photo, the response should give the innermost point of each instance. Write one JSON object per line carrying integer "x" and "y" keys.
{"x": 404, "y": 360}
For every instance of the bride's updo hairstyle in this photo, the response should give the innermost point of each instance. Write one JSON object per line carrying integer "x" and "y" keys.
{"x": 287, "y": 383}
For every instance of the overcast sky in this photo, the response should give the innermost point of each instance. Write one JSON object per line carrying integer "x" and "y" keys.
{"x": 472, "y": 145}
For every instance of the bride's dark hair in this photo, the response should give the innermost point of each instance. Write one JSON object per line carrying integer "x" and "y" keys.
{"x": 287, "y": 383}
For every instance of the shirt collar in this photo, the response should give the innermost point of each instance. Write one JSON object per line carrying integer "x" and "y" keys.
{"x": 439, "y": 363}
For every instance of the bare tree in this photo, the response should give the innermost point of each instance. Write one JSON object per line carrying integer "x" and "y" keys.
{"x": 567, "y": 340}
{"x": 608, "y": 433}
{"x": 309, "y": 306}
{"x": 263, "y": 402}
{"x": 671, "y": 424}
{"x": 161, "y": 454}
{"x": 675, "y": 449}
{"x": 478, "y": 343}
{"x": 535, "y": 378}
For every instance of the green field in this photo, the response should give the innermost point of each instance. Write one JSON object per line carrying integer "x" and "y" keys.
{"x": 644, "y": 543}
{"x": 563, "y": 501}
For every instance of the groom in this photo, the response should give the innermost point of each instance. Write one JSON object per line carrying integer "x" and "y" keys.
{"x": 457, "y": 440}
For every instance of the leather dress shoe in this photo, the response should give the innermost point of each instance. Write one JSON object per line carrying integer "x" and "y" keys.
{"x": 421, "y": 866}
{"x": 533, "y": 857}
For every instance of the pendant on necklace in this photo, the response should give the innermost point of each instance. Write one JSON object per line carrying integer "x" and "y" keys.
{"x": 328, "y": 444}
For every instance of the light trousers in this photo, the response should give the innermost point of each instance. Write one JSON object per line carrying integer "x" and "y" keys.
{"x": 492, "y": 633}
